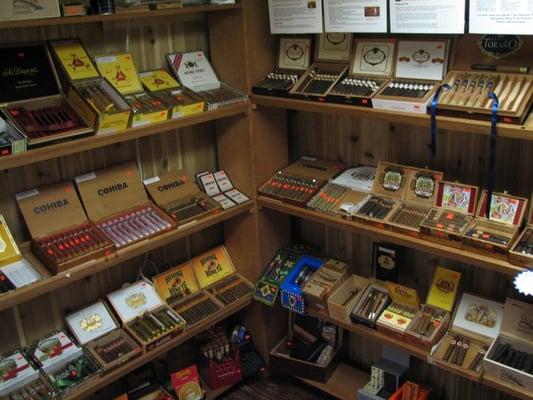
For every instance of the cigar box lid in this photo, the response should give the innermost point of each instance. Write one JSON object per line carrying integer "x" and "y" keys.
{"x": 158, "y": 79}
{"x": 360, "y": 178}
{"x": 120, "y": 71}
{"x": 313, "y": 167}
{"x": 422, "y": 186}
{"x": 9, "y": 251}
{"x": 444, "y": 289}
{"x": 478, "y": 317}
{"x": 518, "y": 320}
{"x": 422, "y": 59}
{"x": 373, "y": 57}
{"x": 294, "y": 53}
{"x": 111, "y": 190}
{"x": 51, "y": 209}
{"x": 403, "y": 295}
{"x": 212, "y": 266}
{"x": 26, "y": 72}
{"x": 391, "y": 180}
{"x": 15, "y": 372}
{"x": 73, "y": 59}
{"x": 333, "y": 47}
{"x": 91, "y": 322}
{"x": 194, "y": 70}
{"x": 457, "y": 197}
{"x": 54, "y": 351}
{"x": 134, "y": 300}
{"x": 167, "y": 188}
{"x": 504, "y": 208}
{"x": 176, "y": 283}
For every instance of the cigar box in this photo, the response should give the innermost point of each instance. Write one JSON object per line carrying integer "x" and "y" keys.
{"x": 9, "y": 251}
{"x": 179, "y": 100}
{"x": 359, "y": 178}
{"x": 216, "y": 274}
{"x": 194, "y": 71}
{"x": 294, "y": 57}
{"x": 475, "y": 74}
{"x": 455, "y": 206}
{"x": 343, "y": 300}
{"x": 431, "y": 321}
{"x": 115, "y": 200}
{"x": 332, "y": 56}
{"x": 370, "y": 70}
{"x": 496, "y": 231}
{"x": 509, "y": 358}
{"x": 145, "y": 316}
{"x": 219, "y": 187}
{"x": 62, "y": 236}
{"x": 12, "y": 141}
{"x": 95, "y": 328}
{"x": 32, "y": 99}
{"x": 34, "y": 9}
{"x": 15, "y": 372}
{"x": 186, "y": 383}
{"x": 419, "y": 199}
{"x": 323, "y": 283}
{"x": 120, "y": 71}
{"x": 146, "y": 391}
{"x": 371, "y": 304}
{"x": 476, "y": 323}
{"x": 178, "y": 194}
{"x": 300, "y": 181}
{"x": 522, "y": 251}
{"x": 419, "y": 68}
{"x": 395, "y": 319}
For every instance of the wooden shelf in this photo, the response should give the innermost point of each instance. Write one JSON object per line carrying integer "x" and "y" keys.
{"x": 213, "y": 394}
{"x": 85, "y": 19}
{"x": 465, "y": 256}
{"x": 93, "y": 142}
{"x": 53, "y": 282}
{"x": 98, "y": 383}
{"x": 523, "y": 132}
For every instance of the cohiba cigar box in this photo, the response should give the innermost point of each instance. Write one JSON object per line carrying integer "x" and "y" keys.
{"x": 9, "y": 251}
{"x": 294, "y": 57}
{"x": 34, "y": 9}
{"x": 496, "y": 231}
{"x": 120, "y": 71}
{"x": 179, "y": 100}
{"x": 332, "y": 56}
{"x": 431, "y": 321}
{"x": 323, "y": 283}
{"x": 194, "y": 71}
{"x": 343, "y": 300}
{"x": 476, "y": 322}
{"x": 395, "y": 319}
{"x": 419, "y": 198}
{"x": 509, "y": 358}
{"x": 145, "y": 316}
{"x": 420, "y": 66}
{"x": 522, "y": 251}
{"x": 370, "y": 69}
{"x": 454, "y": 209}
{"x": 115, "y": 200}
{"x": 96, "y": 329}
{"x": 31, "y": 96}
{"x": 62, "y": 236}
{"x": 15, "y": 372}
{"x": 177, "y": 193}
{"x": 371, "y": 304}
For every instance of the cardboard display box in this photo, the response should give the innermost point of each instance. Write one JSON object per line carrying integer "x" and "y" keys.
{"x": 397, "y": 316}
{"x": 343, "y": 300}
{"x": 522, "y": 251}
{"x": 371, "y": 304}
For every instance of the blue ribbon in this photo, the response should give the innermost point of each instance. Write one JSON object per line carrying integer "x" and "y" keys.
{"x": 434, "y": 103}
{"x": 492, "y": 148}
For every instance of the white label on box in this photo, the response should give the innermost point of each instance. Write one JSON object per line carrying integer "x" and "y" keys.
{"x": 209, "y": 184}
{"x": 134, "y": 300}
{"x": 236, "y": 196}
{"x": 373, "y": 58}
{"x": 91, "y": 322}
{"x": 85, "y": 177}
{"x": 56, "y": 350}
{"x": 15, "y": 372}
{"x": 26, "y": 194}
{"x": 358, "y": 178}
{"x": 194, "y": 71}
{"x": 105, "y": 59}
{"x": 149, "y": 181}
{"x": 421, "y": 60}
{"x": 21, "y": 273}
{"x": 223, "y": 181}
{"x": 224, "y": 201}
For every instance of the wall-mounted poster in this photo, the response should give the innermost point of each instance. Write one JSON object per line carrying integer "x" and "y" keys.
{"x": 295, "y": 16}
{"x": 501, "y": 17}
{"x": 427, "y": 16}
{"x": 355, "y": 15}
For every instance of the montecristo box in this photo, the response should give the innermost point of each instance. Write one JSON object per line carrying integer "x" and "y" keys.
{"x": 9, "y": 251}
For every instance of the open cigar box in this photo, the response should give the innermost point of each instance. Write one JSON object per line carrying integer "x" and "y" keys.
{"x": 343, "y": 300}
{"x": 400, "y": 312}
{"x": 522, "y": 251}
{"x": 371, "y": 304}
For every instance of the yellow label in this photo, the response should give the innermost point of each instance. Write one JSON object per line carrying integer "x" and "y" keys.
{"x": 75, "y": 60}
{"x": 444, "y": 289}
{"x": 141, "y": 119}
{"x": 403, "y": 295}
{"x": 158, "y": 80}
{"x": 9, "y": 252}
{"x": 176, "y": 283}
{"x": 114, "y": 122}
{"x": 120, "y": 71}
{"x": 212, "y": 266}
{"x": 182, "y": 111}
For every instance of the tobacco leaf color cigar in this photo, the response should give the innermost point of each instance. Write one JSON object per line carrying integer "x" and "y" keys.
{"x": 450, "y": 349}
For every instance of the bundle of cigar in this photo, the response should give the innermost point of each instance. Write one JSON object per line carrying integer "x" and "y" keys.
{"x": 218, "y": 347}
{"x": 427, "y": 321}
{"x": 231, "y": 289}
{"x": 287, "y": 186}
{"x": 328, "y": 198}
{"x": 411, "y": 216}
{"x": 317, "y": 82}
{"x": 377, "y": 207}
{"x": 371, "y": 305}
{"x": 155, "y": 324}
{"x": 362, "y": 87}
{"x": 402, "y": 310}
{"x": 411, "y": 89}
{"x": 196, "y": 308}
{"x": 73, "y": 372}
{"x": 98, "y": 98}
{"x": 489, "y": 235}
{"x": 279, "y": 80}
{"x": 174, "y": 98}
{"x": 510, "y": 356}
{"x": 191, "y": 208}
{"x": 447, "y": 220}
{"x": 143, "y": 103}
{"x": 114, "y": 349}
{"x": 280, "y": 265}
{"x": 134, "y": 225}
{"x": 525, "y": 245}
{"x": 5, "y": 284}
{"x": 457, "y": 349}
{"x": 36, "y": 390}
{"x": 223, "y": 95}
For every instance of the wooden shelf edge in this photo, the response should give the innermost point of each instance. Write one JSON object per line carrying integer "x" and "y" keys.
{"x": 53, "y": 282}
{"x": 98, "y": 383}
{"x": 213, "y": 394}
{"x": 523, "y": 132}
{"x": 84, "y": 19}
{"x": 468, "y": 257}
{"x": 100, "y": 140}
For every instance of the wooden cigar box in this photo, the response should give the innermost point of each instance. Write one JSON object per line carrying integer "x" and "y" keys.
{"x": 294, "y": 57}
{"x": 332, "y": 57}
{"x": 343, "y": 300}
{"x": 419, "y": 199}
{"x": 219, "y": 187}
{"x": 475, "y": 74}
{"x": 454, "y": 209}
{"x": 476, "y": 323}
{"x": 371, "y": 304}
{"x": 496, "y": 231}
{"x": 59, "y": 228}
{"x": 397, "y": 316}
{"x": 371, "y": 68}
{"x": 522, "y": 251}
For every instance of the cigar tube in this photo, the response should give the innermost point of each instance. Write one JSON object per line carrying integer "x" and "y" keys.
{"x": 461, "y": 88}
{"x": 446, "y": 95}
{"x": 497, "y": 88}
{"x": 153, "y": 327}
{"x": 463, "y": 351}
{"x": 506, "y": 105}
{"x": 121, "y": 231}
{"x": 504, "y": 94}
{"x": 457, "y": 350}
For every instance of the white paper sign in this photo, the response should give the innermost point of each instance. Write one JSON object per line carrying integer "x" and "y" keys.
{"x": 427, "y": 16}
{"x": 295, "y": 16}
{"x": 501, "y": 17}
{"x": 355, "y": 15}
